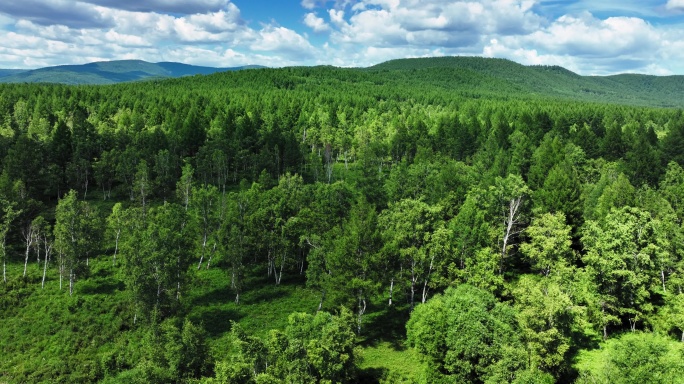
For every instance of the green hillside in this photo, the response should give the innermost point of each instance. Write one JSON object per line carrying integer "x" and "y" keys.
{"x": 501, "y": 75}
{"x": 10, "y": 72}
{"x": 110, "y": 72}
{"x": 466, "y": 75}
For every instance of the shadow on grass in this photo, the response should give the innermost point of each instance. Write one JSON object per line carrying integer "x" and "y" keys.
{"x": 102, "y": 287}
{"x": 265, "y": 294}
{"x": 216, "y": 321}
{"x": 387, "y": 325}
{"x": 371, "y": 375}
{"x": 219, "y": 295}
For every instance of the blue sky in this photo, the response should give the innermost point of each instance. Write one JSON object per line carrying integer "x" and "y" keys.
{"x": 588, "y": 37}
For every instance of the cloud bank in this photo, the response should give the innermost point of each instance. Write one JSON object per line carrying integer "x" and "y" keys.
{"x": 618, "y": 37}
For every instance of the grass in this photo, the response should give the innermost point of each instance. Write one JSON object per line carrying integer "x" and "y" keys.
{"x": 263, "y": 305}
{"x": 383, "y": 361}
{"x": 49, "y": 336}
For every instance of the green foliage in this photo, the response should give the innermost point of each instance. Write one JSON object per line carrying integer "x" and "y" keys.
{"x": 465, "y": 335}
{"x": 78, "y": 233}
{"x": 312, "y": 349}
{"x": 633, "y": 358}
{"x": 547, "y": 318}
{"x": 548, "y": 248}
{"x": 155, "y": 260}
{"x": 619, "y": 248}
{"x": 408, "y": 228}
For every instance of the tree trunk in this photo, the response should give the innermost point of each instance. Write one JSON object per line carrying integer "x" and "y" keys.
{"x": 662, "y": 278}
{"x": 29, "y": 242}
{"x": 320, "y": 303}
{"x": 211, "y": 256}
{"x": 391, "y": 291}
{"x": 279, "y": 274}
{"x": 116, "y": 245}
{"x": 427, "y": 279}
{"x": 85, "y": 192}
{"x": 42, "y": 284}
{"x": 362, "y": 310}
{"x": 509, "y": 231}
{"x": 38, "y": 251}
{"x": 71, "y": 281}
{"x": 413, "y": 285}
{"x": 425, "y": 291}
{"x": 204, "y": 247}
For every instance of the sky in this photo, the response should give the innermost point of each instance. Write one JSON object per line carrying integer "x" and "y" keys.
{"x": 589, "y": 37}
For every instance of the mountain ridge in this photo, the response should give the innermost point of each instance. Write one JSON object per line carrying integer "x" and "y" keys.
{"x": 110, "y": 72}
{"x": 553, "y": 81}
{"x": 474, "y": 76}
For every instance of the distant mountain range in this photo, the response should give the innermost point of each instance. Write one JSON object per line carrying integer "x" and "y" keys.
{"x": 468, "y": 75}
{"x": 108, "y": 72}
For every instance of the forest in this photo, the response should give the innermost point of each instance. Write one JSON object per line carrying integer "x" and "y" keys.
{"x": 435, "y": 220}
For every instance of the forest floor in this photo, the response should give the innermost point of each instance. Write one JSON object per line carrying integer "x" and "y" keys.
{"x": 47, "y": 334}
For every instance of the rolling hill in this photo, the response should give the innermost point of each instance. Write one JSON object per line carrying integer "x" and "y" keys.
{"x": 109, "y": 72}
{"x": 496, "y": 75}
{"x": 469, "y": 76}
{"x": 10, "y": 72}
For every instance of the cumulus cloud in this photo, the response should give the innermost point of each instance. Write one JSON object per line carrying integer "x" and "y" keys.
{"x": 164, "y": 6}
{"x": 53, "y": 12}
{"x": 590, "y": 46}
{"x": 309, "y": 4}
{"x": 587, "y": 36}
{"x": 432, "y": 22}
{"x": 675, "y": 4}
{"x": 219, "y": 38}
{"x": 283, "y": 41}
{"x": 316, "y": 23}
{"x": 351, "y": 33}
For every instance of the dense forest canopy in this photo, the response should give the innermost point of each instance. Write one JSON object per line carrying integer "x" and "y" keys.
{"x": 336, "y": 225}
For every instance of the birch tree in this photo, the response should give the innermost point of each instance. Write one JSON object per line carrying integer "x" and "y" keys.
{"x": 549, "y": 243}
{"x": 30, "y": 233}
{"x": 116, "y": 225}
{"x": 8, "y": 215}
{"x": 206, "y": 209}
{"x": 407, "y": 230}
{"x": 78, "y": 232}
{"x": 621, "y": 250}
{"x": 351, "y": 260}
{"x": 156, "y": 260}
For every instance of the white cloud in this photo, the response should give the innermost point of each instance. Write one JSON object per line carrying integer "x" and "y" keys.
{"x": 283, "y": 41}
{"x": 337, "y": 17}
{"x": 675, "y": 4}
{"x": 316, "y": 23}
{"x": 361, "y": 32}
{"x": 309, "y": 4}
{"x": 184, "y": 7}
{"x": 587, "y": 36}
{"x": 432, "y": 23}
{"x": 222, "y": 27}
{"x": 73, "y": 14}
